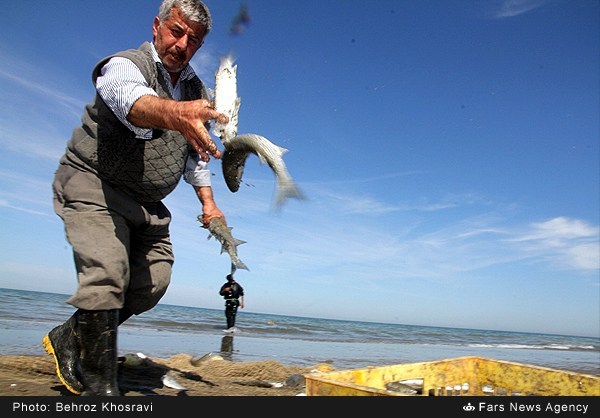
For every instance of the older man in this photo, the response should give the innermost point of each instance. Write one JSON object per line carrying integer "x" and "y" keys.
{"x": 144, "y": 130}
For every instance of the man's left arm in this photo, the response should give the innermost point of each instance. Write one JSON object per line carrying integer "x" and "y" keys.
{"x": 198, "y": 175}
{"x": 209, "y": 207}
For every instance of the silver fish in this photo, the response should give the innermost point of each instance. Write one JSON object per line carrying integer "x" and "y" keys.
{"x": 226, "y": 98}
{"x": 237, "y": 151}
{"x": 238, "y": 147}
{"x": 170, "y": 382}
{"x": 222, "y": 233}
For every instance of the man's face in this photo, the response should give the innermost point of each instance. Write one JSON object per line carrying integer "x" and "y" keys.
{"x": 177, "y": 40}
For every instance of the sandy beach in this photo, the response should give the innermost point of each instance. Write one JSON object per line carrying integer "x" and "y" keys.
{"x": 35, "y": 376}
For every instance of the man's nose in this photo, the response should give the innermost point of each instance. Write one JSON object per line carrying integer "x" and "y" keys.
{"x": 183, "y": 42}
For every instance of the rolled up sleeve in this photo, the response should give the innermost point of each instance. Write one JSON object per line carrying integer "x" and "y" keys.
{"x": 121, "y": 84}
{"x": 196, "y": 171}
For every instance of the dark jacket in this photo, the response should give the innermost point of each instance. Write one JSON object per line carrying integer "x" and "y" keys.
{"x": 234, "y": 293}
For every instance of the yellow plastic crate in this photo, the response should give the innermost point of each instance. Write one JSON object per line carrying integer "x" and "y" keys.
{"x": 461, "y": 376}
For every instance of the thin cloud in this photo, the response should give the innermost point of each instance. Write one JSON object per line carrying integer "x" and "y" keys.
{"x": 56, "y": 97}
{"x": 512, "y": 8}
{"x": 362, "y": 180}
{"x": 5, "y": 204}
{"x": 32, "y": 141}
{"x": 353, "y": 205}
{"x": 33, "y": 112}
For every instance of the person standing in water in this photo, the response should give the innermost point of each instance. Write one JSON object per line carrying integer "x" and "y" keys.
{"x": 233, "y": 293}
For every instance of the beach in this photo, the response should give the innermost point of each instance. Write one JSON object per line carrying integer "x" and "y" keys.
{"x": 266, "y": 357}
{"x": 35, "y": 376}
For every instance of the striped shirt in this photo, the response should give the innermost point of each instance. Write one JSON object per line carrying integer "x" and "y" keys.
{"x": 121, "y": 83}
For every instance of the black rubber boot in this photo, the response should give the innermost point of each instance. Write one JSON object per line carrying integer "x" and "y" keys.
{"x": 63, "y": 343}
{"x": 124, "y": 315}
{"x": 97, "y": 332}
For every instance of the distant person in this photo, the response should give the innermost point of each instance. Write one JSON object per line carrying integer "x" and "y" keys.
{"x": 233, "y": 293}
{"x": 145, "y": 129}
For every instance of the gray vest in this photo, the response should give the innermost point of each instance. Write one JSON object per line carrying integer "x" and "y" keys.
{"x": 146, "y": 169}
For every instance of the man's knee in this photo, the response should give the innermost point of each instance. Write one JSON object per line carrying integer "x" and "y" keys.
{"x": 143, "y": 299}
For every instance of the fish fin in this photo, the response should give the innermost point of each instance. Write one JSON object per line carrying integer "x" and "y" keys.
{"x": 286, "y": 190}
{"x": 262, "y": 159}
{"x": 240, "y": 264}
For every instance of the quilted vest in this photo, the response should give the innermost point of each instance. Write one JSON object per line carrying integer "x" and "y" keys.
{"x": 146, "y": 169}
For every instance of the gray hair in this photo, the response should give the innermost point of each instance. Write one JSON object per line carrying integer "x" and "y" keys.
{"x": 194, "y": 10}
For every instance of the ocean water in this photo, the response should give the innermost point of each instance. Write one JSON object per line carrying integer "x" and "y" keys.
{"x": 167, "y": 330}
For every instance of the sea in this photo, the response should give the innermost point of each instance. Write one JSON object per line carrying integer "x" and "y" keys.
{"x": 168, "y": 330}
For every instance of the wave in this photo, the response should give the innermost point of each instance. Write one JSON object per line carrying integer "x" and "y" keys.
{"x": 537, "y": 347}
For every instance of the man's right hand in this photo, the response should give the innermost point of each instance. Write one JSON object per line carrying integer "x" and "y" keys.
{"x": 187, "y": 117}
{"x": 191, "y": 117}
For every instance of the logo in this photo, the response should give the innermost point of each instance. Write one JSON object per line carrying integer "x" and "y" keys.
{"x": 468, "y": 407}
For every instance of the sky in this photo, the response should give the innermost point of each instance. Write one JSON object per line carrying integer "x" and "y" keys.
{"x": 448, "y": 152}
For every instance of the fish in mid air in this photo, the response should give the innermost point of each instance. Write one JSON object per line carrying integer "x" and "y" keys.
{"x": 239, "y": 147}
{"x": 234, "y": 159}
{"x": 240, "y": 21}
{"x": 222, "y": 233}
{"x": 226, "y": 98}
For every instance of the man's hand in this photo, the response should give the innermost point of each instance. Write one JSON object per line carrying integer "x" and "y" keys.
{"x": 187, "y": 117}
{"x": 191, "y": 117}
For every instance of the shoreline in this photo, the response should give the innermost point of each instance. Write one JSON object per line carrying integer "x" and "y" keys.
{"x": 303, "y": 353}
{"x": 178, "y": 375}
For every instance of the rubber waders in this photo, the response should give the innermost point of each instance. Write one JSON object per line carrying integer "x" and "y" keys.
{"x": 97, "y": 332}
{"x": 63, "y": 343}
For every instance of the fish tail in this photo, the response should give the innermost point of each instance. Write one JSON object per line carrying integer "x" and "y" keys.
{"x": 238, "y": 264}
{"x": 285, "y": 190}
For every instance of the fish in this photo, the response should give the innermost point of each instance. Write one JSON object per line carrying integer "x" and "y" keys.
{"x": 226, "y": 99}
{"x": 403, "y": 388}
{"x": 133, "y": 359}
{"x": 239, "y": 147}
{"x": 170, "y": 382}
{"x": 234, "y": 158}
{"x": 222, "y": 233}
{"x": 241, "y": 21}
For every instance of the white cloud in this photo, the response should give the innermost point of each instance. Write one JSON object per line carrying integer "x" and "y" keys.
{"x": 571, "y": 242}
{"x": 584, "y": 256}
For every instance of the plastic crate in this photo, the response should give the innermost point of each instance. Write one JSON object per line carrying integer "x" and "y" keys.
{"x": 461, "y": 376}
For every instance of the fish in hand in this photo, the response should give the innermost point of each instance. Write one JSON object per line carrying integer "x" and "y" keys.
{"x": 222, "y": 233}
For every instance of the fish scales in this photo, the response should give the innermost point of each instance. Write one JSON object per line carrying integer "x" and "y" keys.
{"x": 237, "y": 151}
{"x": 226, "y": 98}
{"x": 222, "y": 233}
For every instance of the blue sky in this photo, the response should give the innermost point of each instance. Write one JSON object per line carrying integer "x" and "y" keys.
{"x": 449, "y": 152}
